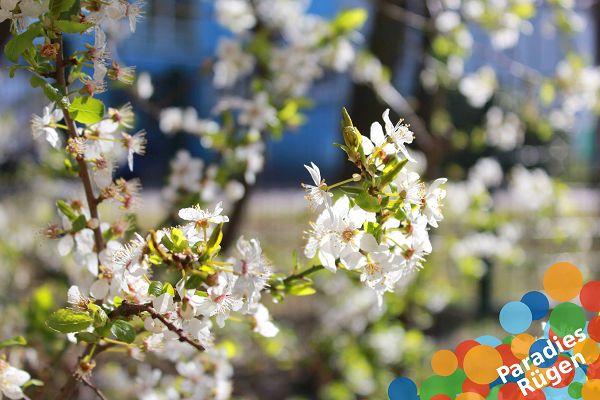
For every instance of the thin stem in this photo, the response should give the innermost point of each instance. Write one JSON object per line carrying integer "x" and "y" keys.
{"x": 303, "y": 274}
{"x": 127, "y": 309}
{"x": 97, "y": 391}
{"x": 84, "y": 174}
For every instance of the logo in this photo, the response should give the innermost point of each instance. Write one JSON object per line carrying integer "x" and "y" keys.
{"x": 562, "y": 362}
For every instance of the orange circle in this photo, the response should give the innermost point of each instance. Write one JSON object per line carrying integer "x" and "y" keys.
{"x": 591, "y": 390}
{"x": 521, "y": 344}
{"x": 444, "y": 362}
{"x": 588, "y": 349}
{"x": 469, "y": 396}
{"x": 563, "y": 281}
{"x": 481, "y": 364}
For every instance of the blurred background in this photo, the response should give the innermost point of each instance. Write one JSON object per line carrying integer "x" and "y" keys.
{"x": 502, "y": 95}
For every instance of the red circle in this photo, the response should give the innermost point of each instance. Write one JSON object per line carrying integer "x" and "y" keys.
{"x": 510, "y": 391}
{"x": 535, "y": 395}
{"x": 590, "y": 296}
{"x": 508, "y": 358}
{"x": 594, "y": 329}
{"x": 470, "y": 386}
{"x": 440, "y": 397}
{"x": 593, "y": 371}
{"x": 462, "y": 349}
{"x": 567, "y": 378}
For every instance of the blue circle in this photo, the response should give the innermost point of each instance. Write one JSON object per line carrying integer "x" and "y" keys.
{"x": 489, "y": 340}
{"x": 538, "y": 304}
{"x": 402, "y": 389}
{"x": 515, "y": 317}
{"x": 538, "y": 347}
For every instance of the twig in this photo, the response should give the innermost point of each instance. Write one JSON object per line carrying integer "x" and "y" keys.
{"x": 83, "y": 169}
{"x": 128, "y": 309}
{"x": 97, "y": 391}
{"x": 303, "y": 274}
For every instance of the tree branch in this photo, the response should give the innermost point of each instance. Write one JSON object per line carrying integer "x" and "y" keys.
{"x": 128, "y": 309}
{"x": 84, "y": 174}
{"x": 97, "y": 391}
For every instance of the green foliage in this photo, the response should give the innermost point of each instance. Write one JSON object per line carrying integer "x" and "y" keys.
{"x": 349, "y": 20}
{"x": 123, "y": 331}
{"x": 87, "y": 110}
{"x": 15, "y": 341}
{"x": 66, "y": 320}
{"x": 18, "y": 44}
{"x": 71, "y": 26}
{"x": 58, "y": 7}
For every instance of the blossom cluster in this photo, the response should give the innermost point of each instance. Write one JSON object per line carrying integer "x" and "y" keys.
{"x": 263, "y": 71}
{"x": 380, "y": 227}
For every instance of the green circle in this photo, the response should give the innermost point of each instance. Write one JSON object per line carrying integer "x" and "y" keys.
{"x": 566, "y": 318}
{"x": 575, "y": 390}
{"x": 508, "y": 339}
{"x": 493, "y": 395}
{"x": 449, "y": 385}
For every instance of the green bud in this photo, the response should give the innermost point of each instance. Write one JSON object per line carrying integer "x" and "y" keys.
{"x": 352, "y": 137}
{"x": 346, "y": 120}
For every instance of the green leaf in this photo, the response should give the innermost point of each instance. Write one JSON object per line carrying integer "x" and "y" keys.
{"x": 350, "y": 20}
{"x": 59, "y": 6}
{"x": 305, "y": 289}
{"x": 367, "y": 202}
{"x": 87, "y": 337}
{"x": 98, "y": 314}
{"x": 391, "y": 171}
{"x": 71, "y": 26}
{"x": 16, "y": 341}
{"x": 215, "y": 239}
{"x": 179, "y": 241}
{"x": 87, "y": 110}
{"x": 67, "y": 321}
{"x": 36, "y": 81}
{"x": 123, "y": 331}
{"x": 79, "y": 223}
{"x": 155, "y": 288}
{"x": 55, "y": 95}
{"x": 19, "y": 43}
{"x": 66, "y": 210}
{"x": 194, "y": 282}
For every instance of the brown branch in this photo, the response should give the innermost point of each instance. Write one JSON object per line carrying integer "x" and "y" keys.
{"x": 128, "y": 309}
{"x": 84, "y": 174}
{"x": 97, "y": 391}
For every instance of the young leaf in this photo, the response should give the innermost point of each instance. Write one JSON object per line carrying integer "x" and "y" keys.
{"x": 155, "y": 288}
{"x": 58, "y": 7}
{"x": 87, "y": 110}
{"x": 67, "y": 321}
{"x": 66, "y": 210}
{"x": 123, "y": 331}
{"x": 71, "y": 26}
{"x": 391, "y": 171}
{"x": 349, "y": 20}
{"x": 16, "y": 341}
{"x": 19, "y": 43}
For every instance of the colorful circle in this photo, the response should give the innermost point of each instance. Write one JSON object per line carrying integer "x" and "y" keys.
{"x": 566, "y": 318}
{"x": 462, "y": 349}
{"x": 402, "y": 389}
{"x": 481, "y": 364}
{"x": 588, "y": 348}
{"x": 563, "y": 281}
{"x": 590, "y": 296}
{"x": 444, "y": 362}
{"x": 515, "y": 317}
{"x": 594, "y": 329}
{"x": 591, "y": 390}
{"x": 538, "y": 304}
{"x": 543, "y": 347}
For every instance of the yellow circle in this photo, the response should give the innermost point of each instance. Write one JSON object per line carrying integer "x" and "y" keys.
{"x": 521, "y": 344}
{"x": 588, "y": 349}
{"x": 591, "y": 390}
{"x": 469, "y": 396}
{"x": 563, "y": 281}
{"x": 444, "y": 362}
{"x": 481, "y": 364}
